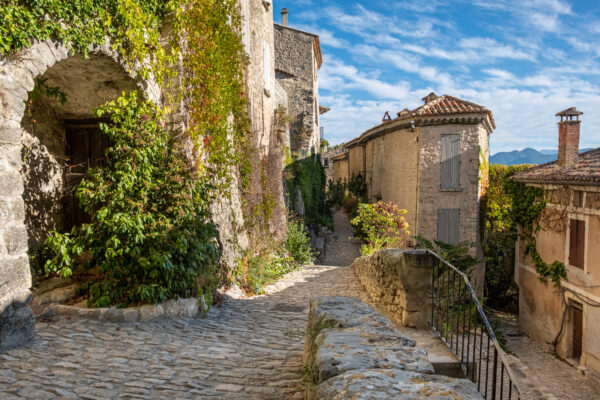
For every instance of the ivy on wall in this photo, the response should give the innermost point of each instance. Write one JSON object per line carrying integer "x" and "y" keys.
{"x": 202, "y": 70}
{"x": 527, "y": 204}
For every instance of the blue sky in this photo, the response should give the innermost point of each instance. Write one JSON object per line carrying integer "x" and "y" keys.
{"x": 525, "y": 60}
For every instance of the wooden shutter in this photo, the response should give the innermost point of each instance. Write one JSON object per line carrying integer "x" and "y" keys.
{"x": 450, "y": 162}
{"x": 448, "y": 226}
{"x": 576, "y": 243}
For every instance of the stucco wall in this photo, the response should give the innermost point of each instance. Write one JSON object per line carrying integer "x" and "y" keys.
{"x": 297, "y": 72}
{"x": 541, "y": 306}
{"x": 392, "y": 171}
{"x": 340, "y": 168}
{"x": 356, "y": 163}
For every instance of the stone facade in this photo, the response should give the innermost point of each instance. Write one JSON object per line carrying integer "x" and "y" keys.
{"x": 297, "y": 63}
{"x": 34, "y": 159}
{"x": 402, "y": 161}
{"x": 328, "y": 157}
{"x": 31, "y": 161}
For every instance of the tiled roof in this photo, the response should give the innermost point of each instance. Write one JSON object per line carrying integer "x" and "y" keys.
{"x": 446, "y": 105}
{"x": 436, "y": 107}
{"x": 586, "y": 170}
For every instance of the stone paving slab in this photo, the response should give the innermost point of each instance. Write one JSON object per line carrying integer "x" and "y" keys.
{"x": 244, "y": 349}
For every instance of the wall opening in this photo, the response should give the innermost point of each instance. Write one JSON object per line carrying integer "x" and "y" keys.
{"x": 61, "y": 141}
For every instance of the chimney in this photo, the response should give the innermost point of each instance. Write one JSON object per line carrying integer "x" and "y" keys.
{"x": 284, "y": 17}
{"x": 568, "y": 137}
{"x": 430, "y": 97}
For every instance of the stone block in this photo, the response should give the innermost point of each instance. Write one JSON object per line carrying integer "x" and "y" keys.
{"x": 12, "y": 154}
{"x": 10, "y": 132}
{"x": 15, "y": 239}
{"x": 190, "y": 308}
{"x": 393, "y": 384}
{"x": 11, "y": 183}
{"x": 15, "y": 275}
{"x": 150, "y": 312}
{"x": 16, "y": 327}
{"x": 366, "y": 347}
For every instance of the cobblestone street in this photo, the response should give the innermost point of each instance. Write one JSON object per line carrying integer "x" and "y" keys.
{"x": 248, "y": 348}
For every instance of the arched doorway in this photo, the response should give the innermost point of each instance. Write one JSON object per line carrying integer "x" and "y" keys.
{"x": 45, "y": 147}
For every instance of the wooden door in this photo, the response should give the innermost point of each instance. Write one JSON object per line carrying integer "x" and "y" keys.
{"x": 577, "y": 331}
{"x": 86, "y": 148}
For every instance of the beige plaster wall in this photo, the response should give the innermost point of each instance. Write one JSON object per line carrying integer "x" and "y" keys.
{"x": 392, "y": 171}
{"x": 355, "y": 161}
{"x": 340, "y": 170}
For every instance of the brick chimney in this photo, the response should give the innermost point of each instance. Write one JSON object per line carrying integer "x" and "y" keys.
{"x": 568, "y": 137}
{"x": 284, "y": 17}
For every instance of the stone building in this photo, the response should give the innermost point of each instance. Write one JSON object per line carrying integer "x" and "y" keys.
{"x": 565, "y": 318}
{"x": 297, "y": 62}
{"x": 327, "y": 159}
{"x": 46, "y": 148}
{"x": 430, "y": 161}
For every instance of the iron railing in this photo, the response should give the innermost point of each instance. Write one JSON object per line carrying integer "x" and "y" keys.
{"x": 458, "y": 318}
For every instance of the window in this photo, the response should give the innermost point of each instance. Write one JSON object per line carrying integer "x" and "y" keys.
{"x": 448, "y": 226}
{"x": 267, "y": 67}
{"x": 450, "y": 178}
{"x": 326, "y": 162}
{"x": 576, "y": 243}
{"x": 578, "y": 199}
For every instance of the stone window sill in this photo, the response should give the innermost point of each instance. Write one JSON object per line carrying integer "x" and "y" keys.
{"x": 451, "y": 190}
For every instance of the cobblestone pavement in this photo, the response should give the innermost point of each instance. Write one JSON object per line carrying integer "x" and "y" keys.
{"x": 558, "y": 377}
{"x": 341, "y": 248}
{"x": 244, "y": 349}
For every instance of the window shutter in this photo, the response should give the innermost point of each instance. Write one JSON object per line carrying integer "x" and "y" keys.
{"x": 580, "y": 243}
{"x": 576, "y": 243}
{"x": 449, "y": 226}
{"x": 450, "y": 162}
{"x": 267, "y": 65}
{"x": 573, "y": 242}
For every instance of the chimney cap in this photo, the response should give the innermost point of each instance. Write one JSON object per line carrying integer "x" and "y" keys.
{"x": 284, "y": 11}
{"x": 569, "y": 112}
{"x": 403, "y": 112}
{"x": 386, "y": 117}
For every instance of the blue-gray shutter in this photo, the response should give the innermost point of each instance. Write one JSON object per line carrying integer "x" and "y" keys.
{"x": 450, "y": 161}
{"x": 448, "y": 226}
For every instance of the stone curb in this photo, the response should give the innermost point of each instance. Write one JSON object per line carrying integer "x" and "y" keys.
{"x": 188, "y": 308}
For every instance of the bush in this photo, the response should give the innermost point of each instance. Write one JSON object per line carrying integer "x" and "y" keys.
{"x": 150, "y": 234}
{"x": 298, "y": 242}
{"x": 381, "y": 225}
{"x": 273, "y": 260}
{"x": 357, "y": 187}
{"x": 334, "y": 197}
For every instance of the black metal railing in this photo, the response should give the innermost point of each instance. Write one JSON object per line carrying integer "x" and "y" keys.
{"x": 458, "y": 317}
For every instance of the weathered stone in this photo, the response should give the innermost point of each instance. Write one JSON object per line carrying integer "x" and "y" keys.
{"x": 17, "y": 325}
{"x": 11, "y": 183}
{"x": 400, "y": 281}
{"x": 10, "y": 133}
{"x": 15, "y": 239}
{"x": 148, "y": 313}
{"x": 14, "y": 274}
{"x": 365, "y": 347}
{"x": 390, "y": 384}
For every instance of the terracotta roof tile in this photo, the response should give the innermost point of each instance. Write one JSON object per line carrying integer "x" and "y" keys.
{"x": 586, "y": 170}
{"x": 446, "y": 105}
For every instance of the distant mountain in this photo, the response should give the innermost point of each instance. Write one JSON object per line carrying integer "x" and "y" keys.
{"x": 526, "y": 156}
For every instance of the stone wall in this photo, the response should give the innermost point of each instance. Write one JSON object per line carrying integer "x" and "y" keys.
{"x": 356, "y": 161}
{"x": 473, "y": 142}
{"x": 326, "y": 160}
{"x": 340, "y": 170}
{"x": 352, "y": 352}
{"x": 297, "y": 72}
{"x": 400, "y": 281}
{"x": 17, "y": 144}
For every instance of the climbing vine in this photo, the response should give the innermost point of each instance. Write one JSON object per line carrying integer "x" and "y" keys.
{"x": 201, "y": 70}
{"x": 527, "y": 204}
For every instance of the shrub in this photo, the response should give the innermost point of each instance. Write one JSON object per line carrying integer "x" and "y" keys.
{"x": 334, "y": 197}
{"x": 150, "y": 233}
{"x": 298, "y": 242}
{"x": 381, "y": 225}
{"x": 357, "y": 187}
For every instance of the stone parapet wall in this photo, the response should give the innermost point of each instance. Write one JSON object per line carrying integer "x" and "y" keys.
{"x": 400, "y": 281}
{"x": 352, "y": 352}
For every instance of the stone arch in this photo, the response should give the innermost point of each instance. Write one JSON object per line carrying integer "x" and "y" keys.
{"x": 17, "y": 79}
